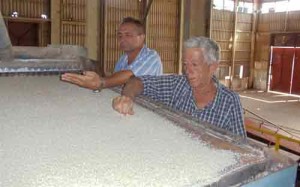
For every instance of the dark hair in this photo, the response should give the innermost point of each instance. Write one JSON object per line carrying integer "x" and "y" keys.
{"x": 139, "y": 24}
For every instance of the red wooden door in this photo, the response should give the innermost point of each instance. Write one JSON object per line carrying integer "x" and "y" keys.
{"x": 296, "y": 74}
{"x": 281, "y": 69}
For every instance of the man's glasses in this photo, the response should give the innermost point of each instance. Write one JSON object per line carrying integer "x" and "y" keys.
{"x": 127, "y": 35}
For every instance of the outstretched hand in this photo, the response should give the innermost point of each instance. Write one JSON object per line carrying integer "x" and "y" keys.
{"x": 89, "y": 79}
{"x": 123, "y": 105}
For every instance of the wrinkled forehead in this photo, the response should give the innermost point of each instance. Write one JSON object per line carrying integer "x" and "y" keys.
{"x": 193, "y": 53}
{"x": 127, "y": 28}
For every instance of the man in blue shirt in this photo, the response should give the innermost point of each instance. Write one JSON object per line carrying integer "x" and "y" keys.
{"x": 138, "y": 60}
{"x": 197, "y": 92}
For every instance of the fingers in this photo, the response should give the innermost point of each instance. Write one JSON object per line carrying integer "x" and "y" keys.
{"x": 123, "y": 105}
{"x": 73, "y": 78}
{"x": 89, "y": 79}
{"x": 130, "y": 111}
{"x": 70, "y": 76}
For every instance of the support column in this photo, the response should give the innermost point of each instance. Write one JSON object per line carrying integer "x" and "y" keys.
{"x": 55, "y": 22}
{"x": 93, "y": 20}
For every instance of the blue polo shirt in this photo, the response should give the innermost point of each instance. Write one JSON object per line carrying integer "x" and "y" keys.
{"x": 146, "y": 63}
{"x": 225, "y": 111}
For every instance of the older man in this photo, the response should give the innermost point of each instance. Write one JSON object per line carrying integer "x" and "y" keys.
{"x": 197, "y": 92}
{"x": 138, "y": 60}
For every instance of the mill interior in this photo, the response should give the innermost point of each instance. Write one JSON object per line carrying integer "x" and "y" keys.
{"x": 259, "y": 41}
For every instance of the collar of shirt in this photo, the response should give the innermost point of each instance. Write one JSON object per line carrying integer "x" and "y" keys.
{"x": 218, "y": 86}
{"x": 142, "y": 51}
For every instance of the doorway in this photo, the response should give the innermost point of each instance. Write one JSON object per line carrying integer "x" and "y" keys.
{"x": 23, "y": 33}
{"x": 284, "y": 74}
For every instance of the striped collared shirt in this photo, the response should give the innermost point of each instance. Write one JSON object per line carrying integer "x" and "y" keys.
{"x": 225, "y": 111}
{"x": 146, "y": 63}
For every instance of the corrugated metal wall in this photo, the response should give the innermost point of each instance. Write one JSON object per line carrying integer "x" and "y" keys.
{"x": 233, "y": 51}
{"x": 243, "y": 44}
{"x": 73, "y": 22}
{"x": 222, "y": 28}
{"x": 163, "y": 32}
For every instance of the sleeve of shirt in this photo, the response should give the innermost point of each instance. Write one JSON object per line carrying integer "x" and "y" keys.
{"x": 159, "y": 88}
{"x": 148, "y": 64}
{"x": 237, "y": 121}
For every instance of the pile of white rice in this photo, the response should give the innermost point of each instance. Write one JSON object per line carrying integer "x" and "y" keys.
{"x": 57, "y": 134}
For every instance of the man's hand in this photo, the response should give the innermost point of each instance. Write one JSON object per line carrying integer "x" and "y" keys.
{"x": 89, "y": 79}
{"x": 123, "y": 105}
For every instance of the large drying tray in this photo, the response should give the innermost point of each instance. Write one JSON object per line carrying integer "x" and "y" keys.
{"x": 57, "y": 134}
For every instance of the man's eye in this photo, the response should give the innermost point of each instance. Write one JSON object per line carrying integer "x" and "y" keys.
{"x": 125, "y": 35}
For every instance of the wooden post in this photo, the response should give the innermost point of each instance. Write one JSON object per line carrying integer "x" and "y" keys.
{"x": 181, "y": 33}
{"x": 55, "y": 22}
{"x": 92, "y": 32}
{"x": 233, "y": 44}
{"x": 253, "y": 34}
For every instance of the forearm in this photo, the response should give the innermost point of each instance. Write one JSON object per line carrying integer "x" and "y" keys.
{"x": 117, "y": 79}
{"x": 133, "y": 88}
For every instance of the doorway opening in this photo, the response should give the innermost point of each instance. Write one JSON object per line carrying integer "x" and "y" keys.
{"x": 284, "y": 70}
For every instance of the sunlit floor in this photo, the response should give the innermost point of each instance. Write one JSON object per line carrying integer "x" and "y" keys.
{"x": 279, "y": 109}
{"x": 283, "y": 111}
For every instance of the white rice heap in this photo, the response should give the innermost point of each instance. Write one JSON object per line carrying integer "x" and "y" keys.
{"x": 57, "y": 134}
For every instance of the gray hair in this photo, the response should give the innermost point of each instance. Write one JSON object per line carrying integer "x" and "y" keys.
{"x": 211, "y": 50}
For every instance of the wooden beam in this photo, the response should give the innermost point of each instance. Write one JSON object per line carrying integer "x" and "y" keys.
{"x": 147, "y": 11}
{"x": 26, "y": 20}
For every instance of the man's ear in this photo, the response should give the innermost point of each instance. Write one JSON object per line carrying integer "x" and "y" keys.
{"x": 143, "y": 36}
{"x": 213, "y": 67}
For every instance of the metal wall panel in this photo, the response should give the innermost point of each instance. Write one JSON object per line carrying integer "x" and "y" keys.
{"x": 223, "y": 31}
{"x": 293, "y": 23}
{"x": 163, "y": 32}
{"x": 73, "y": 22}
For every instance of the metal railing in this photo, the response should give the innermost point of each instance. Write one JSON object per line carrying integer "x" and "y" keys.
{"x": 281, "y": 137}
